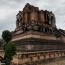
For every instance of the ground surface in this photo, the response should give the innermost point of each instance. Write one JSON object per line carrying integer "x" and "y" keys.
{"x": 60, "y": 61}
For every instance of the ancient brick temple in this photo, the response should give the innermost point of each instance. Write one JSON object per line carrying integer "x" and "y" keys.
{"x": 36, "y": 37}
{"x": 36, "y": 30}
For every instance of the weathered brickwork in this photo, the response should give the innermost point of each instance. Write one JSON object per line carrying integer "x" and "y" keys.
{"x": 35, "y": 58}
{"x": 36, "y": 30}
{"x": 32, "y": 15}
{"x": 37, "y": 37}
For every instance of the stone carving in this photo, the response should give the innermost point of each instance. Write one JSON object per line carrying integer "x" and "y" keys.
{"x": 51, "y": 19}
{"x": 19, "y": 19}
{"x": 40, "y": 28}
{"x": 32, "y": 25}
{"x": 24, "y": 28}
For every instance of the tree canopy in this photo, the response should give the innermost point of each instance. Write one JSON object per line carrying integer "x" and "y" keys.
{"x": 9, "y": 47}
{"x": 7, "y": 36}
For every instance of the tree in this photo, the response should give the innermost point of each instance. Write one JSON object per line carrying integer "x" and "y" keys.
{"x": 10, "y": 51}
{"x": 7, "y": 36}
{"x": 9, "y": 47}
{"x": 6, "y": 61}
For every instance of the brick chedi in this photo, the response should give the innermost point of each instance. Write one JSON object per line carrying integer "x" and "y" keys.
{"x": 32, "y": 15}
{"x": 36, "y": 30}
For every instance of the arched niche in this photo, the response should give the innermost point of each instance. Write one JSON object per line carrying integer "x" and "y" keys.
{"x": 18, "y": 21}
{"x": 51, "y": 19}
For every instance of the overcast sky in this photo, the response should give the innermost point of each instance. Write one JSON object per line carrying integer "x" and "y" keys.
{"x": 9, "y": 9}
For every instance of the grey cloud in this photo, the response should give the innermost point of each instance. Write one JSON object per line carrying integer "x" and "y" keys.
{"x": 11, "y": 3}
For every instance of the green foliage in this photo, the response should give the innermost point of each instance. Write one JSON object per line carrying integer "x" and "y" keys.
{"x": 7, "y": 36}
{"x": 10, "y": 49}
{"x": 6, "y": 61}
